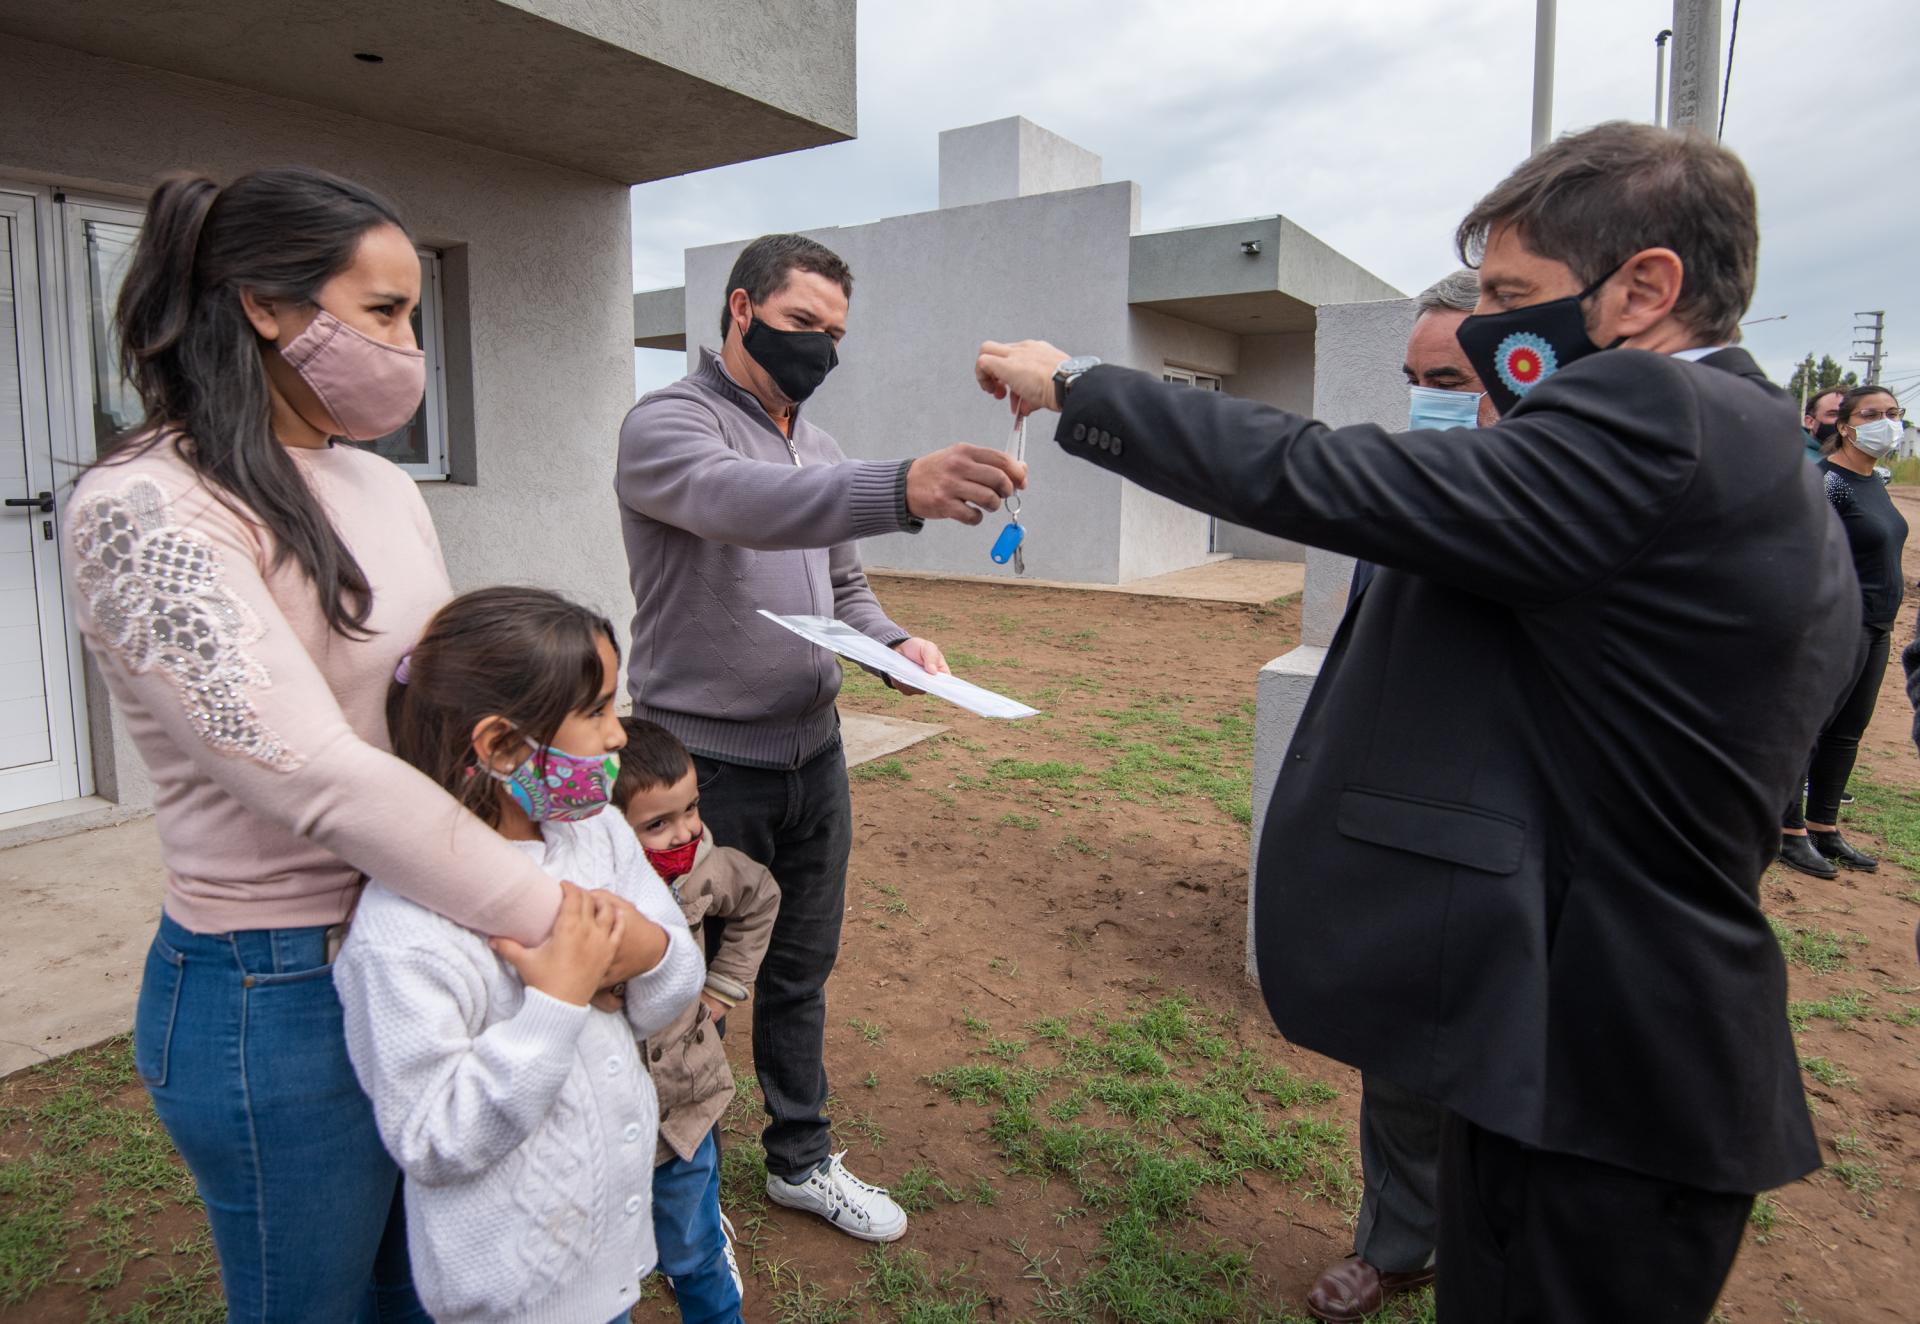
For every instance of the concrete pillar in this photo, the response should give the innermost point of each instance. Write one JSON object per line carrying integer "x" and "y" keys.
{"x": 1693, "y": 98}
{"x": 1358, "y": 350}
{"x": 1010, "y": 158}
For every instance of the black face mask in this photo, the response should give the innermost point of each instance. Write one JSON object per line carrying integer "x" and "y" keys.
{"x": 1516, "y": 350}
{"x": 1823, "y": 432}
{"x": 798, "y": 361}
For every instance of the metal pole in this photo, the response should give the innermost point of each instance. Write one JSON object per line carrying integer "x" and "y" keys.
{"x": 1542, "y": 72}
{"x": 1660, "y": 77}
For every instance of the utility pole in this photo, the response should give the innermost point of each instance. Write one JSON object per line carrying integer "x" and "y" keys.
{"x": 1660, "y": 76}
{"x": 1543, "y": 24}
{"x": 1875, "y": 327}
{"x": 1694, "y": 98}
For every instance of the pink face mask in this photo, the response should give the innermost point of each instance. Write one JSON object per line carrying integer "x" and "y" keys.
{"x": 370, "y": 388}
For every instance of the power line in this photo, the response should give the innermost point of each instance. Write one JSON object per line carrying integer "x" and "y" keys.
{"x": 1727, "y": 83}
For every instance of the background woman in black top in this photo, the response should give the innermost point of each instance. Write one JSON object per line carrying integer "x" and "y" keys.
{"x": 1869, "y": 428}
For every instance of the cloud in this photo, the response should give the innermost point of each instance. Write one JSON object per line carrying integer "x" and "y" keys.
{"x": 1374, "y": 127}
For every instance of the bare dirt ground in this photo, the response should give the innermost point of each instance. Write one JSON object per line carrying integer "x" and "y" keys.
{"x": 1045, "y": 926}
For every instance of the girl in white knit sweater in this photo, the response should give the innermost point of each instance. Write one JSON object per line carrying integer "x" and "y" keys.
{"x": 504, "y": 1078}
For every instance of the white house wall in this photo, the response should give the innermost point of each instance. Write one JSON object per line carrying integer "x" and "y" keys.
{"x": 544, "y": 253}
{"x": 927, "y": 289}
{"x": 1276, "y": 370}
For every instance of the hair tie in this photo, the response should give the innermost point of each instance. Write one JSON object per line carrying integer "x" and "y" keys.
{"x": 404, "y": 669}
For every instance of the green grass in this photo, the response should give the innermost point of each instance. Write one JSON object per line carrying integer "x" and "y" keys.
{"x": 95, "y": 1160}
{"x": 1763, "y": 1218}
{"x": 1004, "y": 774}
{"x": 1160, "y": 752}
{"x": 881, "y": 770}
{"x": 1841, "y": 1008}
{"x": 1137, "y": 1115}
{"x": 1890, "y": 813}
{"x": 871, "y": 1031}
{"x": 1820, "y": 950}
{"x": 1828, "y": 1073}
{"x": 1025, "y": 822}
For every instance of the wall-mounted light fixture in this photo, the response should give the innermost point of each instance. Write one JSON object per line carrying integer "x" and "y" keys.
{"x": 1251, "y": 247}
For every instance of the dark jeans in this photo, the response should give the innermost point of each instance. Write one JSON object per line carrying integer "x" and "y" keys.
{"x": 238, "y": 1038}
{"x": 1531, "y": 1237}
{"x": 1400, "y": 1166}
{"x": 799, "y": 824}
{"x": 1839, "y": 743}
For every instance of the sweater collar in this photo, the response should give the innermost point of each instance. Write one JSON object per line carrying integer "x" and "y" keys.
{"x": 713, "y": 372}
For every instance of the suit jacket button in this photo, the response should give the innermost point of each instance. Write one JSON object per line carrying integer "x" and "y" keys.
{"x": 1116, "y": 445}
{"x": 1079, "y": 431}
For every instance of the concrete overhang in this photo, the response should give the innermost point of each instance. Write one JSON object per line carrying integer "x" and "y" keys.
{"x": 1251, "y": 277}
{"x": 630, "y": 92}
{"x": 660, "y": 319}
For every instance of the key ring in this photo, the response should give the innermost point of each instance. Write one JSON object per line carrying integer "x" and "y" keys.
{"x": 1017, "y": 447}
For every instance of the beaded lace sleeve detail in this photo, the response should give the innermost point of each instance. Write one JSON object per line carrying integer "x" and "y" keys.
{"x": 1839, "y": 495}
{"x": 158, "y": 599}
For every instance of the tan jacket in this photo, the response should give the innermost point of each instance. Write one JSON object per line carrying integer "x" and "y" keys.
{"x": 687, "y": 1060}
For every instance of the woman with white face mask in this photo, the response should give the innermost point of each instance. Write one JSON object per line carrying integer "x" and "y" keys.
{"x": 1868, "y": 429}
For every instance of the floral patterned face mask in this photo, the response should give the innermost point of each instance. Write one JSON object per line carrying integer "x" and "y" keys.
{"x": 551, "y": 785}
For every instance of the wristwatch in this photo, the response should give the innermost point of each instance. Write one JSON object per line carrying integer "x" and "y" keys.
{"x": 1067, "y": 374}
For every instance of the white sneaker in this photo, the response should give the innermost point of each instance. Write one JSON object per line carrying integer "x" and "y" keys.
{"x": 857, "y": 1209}
{"x": 733, "y": 1262}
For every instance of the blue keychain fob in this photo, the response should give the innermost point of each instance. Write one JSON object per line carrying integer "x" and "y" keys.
{"x": 1007, "y": 544}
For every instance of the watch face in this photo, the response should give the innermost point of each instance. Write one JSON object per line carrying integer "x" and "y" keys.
{"x": 1080, "y": 364}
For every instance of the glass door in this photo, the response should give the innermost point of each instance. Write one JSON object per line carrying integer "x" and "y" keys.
{"x": 39, "y": 745}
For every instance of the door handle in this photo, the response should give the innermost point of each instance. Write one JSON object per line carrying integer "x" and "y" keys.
{"x": 40, "y": 501}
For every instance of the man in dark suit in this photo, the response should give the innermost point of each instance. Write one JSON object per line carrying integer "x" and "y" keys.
{"x": 1624, "y": 597}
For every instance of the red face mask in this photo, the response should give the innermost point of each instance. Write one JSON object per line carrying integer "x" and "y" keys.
{"x": 670, "y": 864}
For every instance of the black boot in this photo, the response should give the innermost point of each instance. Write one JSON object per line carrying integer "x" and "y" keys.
{"x": 1796, "y": 852}
{"x": 1835, "y": 848}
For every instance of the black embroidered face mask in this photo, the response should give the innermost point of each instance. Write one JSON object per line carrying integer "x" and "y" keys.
{"x": 1516, "y": 350}
{"x": 798, "y": 361}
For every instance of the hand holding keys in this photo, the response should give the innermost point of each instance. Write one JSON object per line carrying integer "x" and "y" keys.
{"x": 1007, "y": 547}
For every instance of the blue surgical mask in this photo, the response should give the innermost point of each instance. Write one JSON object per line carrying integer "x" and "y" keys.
{"x": 1440, "y": 410}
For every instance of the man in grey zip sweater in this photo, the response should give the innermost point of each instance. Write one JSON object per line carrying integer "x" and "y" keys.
{"x": 730, "y": 502}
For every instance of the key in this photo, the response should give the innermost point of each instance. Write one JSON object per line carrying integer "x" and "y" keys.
{"x": 1007, "y": 545}
{"x": 1020, "y": 559}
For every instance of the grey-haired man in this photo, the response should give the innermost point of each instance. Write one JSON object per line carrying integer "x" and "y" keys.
{"x": 1393, "y": 1238}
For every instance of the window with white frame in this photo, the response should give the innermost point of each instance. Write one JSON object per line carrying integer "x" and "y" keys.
{"x": 1206, "y": 381}
{"x": 101, "y": 237}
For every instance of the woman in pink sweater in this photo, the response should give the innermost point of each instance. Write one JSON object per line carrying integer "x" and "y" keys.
{"x": 247, "y": 587}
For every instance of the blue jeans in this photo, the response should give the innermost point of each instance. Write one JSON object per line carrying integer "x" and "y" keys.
{"x": 239, "y": 1041}
{"x": 686, "y": 1228}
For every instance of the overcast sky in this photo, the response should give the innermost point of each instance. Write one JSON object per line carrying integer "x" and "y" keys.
{"x": 1374, "y": 126}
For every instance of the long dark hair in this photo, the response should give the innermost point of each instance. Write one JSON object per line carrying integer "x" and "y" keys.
{"x": 187, "y": 347}
{"x": 523, "y": 654}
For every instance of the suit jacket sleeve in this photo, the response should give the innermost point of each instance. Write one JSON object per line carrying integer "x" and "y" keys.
{"x": 1551, "y": 501}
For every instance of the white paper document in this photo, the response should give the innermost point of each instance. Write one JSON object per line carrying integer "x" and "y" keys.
{"x": 839, "y": 637}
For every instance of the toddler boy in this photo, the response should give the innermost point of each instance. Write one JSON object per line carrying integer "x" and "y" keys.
{"x": 659, "y": 794}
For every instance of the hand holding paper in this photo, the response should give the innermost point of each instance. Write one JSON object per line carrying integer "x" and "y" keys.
{"x": 838, "y": 637}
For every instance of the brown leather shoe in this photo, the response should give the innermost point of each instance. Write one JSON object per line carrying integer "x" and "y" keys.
{"x": 1353, "y": 1289}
